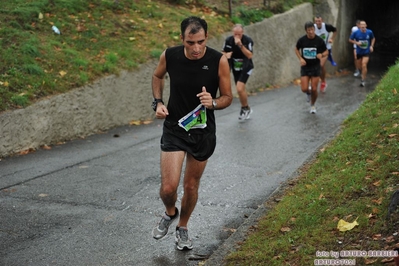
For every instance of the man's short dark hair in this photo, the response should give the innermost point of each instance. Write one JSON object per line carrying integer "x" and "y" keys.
{"x": 195, "y": 24}
{"x": 309, "y": 24}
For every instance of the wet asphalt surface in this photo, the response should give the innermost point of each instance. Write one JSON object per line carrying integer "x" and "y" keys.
{"x": 94, "y": 201}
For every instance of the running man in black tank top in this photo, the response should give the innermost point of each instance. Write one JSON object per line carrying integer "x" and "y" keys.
{"x": 196, "y": 74}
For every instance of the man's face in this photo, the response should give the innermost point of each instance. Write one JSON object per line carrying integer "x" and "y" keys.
{"x": 363, "y": 26}
{"x": 310, "y": 32}
{"x": 194, "y": 44}
{"x": 318, "y": 22}
{"x": 238, "y": 32}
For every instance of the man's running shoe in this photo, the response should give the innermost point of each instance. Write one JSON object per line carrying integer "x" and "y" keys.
{"x": 182, "y": 239}
{"x": 362, "y": 83}
{"x": 313, "y": 109}
{"x": 162, "y": 228}
{"x": 330, "y": 58}
{"x": 308, "y": 96}
{"x": 245, "y": 113}
{"x": 357, "y": 73}
{"x": 323, "y": 87}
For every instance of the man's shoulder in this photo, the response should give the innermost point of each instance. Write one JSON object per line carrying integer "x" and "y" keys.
{"x": 174, "y": 48}
{"x": 247, "y": 38}
{"x": 212, "y": 50}
{"x": 303, "y": 37}
{"x": 171, "y": 52}
{"x": 330, "y": 27}
{"x": 230, "y": 38}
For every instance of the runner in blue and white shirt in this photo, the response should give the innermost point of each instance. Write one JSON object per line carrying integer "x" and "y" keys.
{"x": 364, "y": 40}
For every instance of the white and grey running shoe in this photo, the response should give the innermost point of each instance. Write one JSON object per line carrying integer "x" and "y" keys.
{"x": 182, "y": 239}
{"x": 313, "y": 109}
{"x": 362, "y": 83}
{"x": 162, "y": 228}
{"x": 245, "y": 113}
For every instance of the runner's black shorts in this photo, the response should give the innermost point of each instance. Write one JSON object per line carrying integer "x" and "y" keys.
{"x": 313, "y": 71}
{"x": 358, "y": 56}
{"x": 241, "y": 75}
{"x": 200, "y": 145}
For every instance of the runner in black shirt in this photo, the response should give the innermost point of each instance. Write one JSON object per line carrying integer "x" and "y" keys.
{"x": 239, "y": 48}
{"x": 310, "y": 49}
{"x": 196, "y": 74}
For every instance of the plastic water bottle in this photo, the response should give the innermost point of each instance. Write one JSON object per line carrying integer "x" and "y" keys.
{"x": 56, "y": 30}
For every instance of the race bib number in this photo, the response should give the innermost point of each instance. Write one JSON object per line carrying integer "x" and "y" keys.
{"x": 195, "y": 119}
{"x": 309, "y": 53}
{"x": 237, "y": 64}
{"x": 364, "y": 44}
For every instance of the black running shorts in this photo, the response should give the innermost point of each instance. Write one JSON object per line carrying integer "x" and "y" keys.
{"x": 358, "y": 56}
{"x": 313, "y": 71}
{"x": 241, "y": 76}
{"x": 200, "y": 146}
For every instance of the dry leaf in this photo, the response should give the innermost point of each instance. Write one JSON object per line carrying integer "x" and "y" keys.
{"x": 378, "y": 201}
{"x": 376, "y": 236}
{"x": 392, "y": 135}
{"x": 62, "y": 73}
{"x": 376, "y": 210}
{"x": 377, "y": 184}
{"x": 46, "y": 147}
{"x": 135, "y": 122}
{"x": 369, "y": 261}
{"x": 345, "y": 226}
{"x": 285, "y": 229}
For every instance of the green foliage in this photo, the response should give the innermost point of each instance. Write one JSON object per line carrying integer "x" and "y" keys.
{"x": 247, "y": 15}
{"x": 156, "y": 53}
{"x": 33, "y": 69}
{"x": 20, "y": 100}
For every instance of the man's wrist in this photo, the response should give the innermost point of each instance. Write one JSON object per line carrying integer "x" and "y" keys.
{"x": 155, "y": 103}
{"x": 214, "y": 104}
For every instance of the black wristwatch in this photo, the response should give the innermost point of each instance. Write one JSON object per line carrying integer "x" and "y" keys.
{"x": 155, "y": 103}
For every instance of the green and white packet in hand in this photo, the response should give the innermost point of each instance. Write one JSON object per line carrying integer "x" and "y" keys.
{"x": 195, "y": 119}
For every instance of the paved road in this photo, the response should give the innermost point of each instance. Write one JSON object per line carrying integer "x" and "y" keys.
{"x": 94, "y": 201}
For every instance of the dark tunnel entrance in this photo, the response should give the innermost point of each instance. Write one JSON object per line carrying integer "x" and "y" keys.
{"x": 381, "y": 17}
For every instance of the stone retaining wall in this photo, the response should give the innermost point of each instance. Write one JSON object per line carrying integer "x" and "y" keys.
{"x": 117, "y": 100}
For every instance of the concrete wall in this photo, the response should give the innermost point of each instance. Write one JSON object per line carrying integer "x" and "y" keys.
{"x": 116, "y": 100}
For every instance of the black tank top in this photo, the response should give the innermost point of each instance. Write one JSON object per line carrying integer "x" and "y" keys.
{"x": 187, "y": 77}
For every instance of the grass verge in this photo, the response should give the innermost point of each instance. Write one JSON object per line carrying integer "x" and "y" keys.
{"x": 352, "y": 179}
